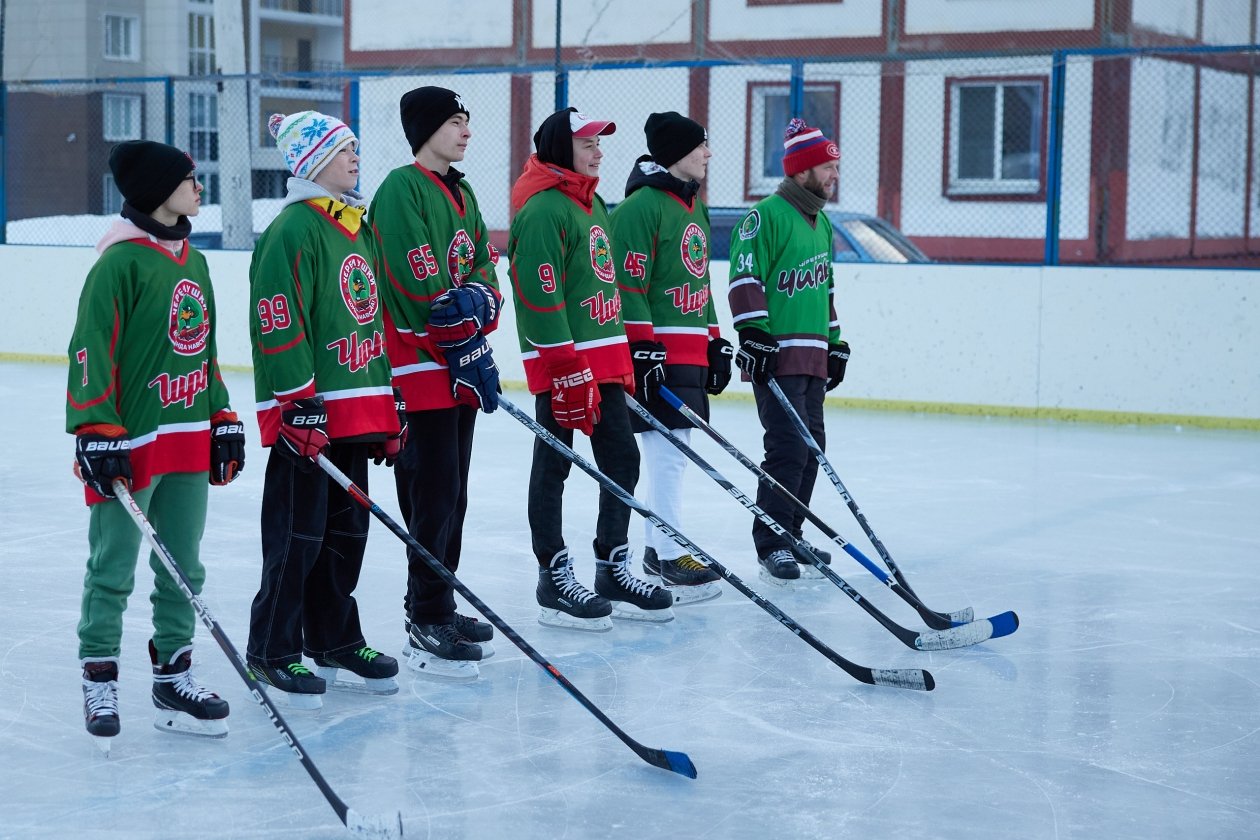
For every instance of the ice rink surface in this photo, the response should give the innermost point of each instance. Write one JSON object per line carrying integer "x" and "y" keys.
{"x": 1126, "y": 706}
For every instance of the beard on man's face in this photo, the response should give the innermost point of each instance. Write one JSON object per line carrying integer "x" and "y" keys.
{"x": 815, "y": 185}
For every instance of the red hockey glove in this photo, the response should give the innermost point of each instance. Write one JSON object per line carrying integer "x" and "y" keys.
{"x": 303, "y": 430}
{"x": 575, "y": 396}
{"x": 387, "y": 451}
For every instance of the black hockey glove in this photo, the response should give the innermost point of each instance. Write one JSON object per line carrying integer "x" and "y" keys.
{"x": 837, "y": 359}
{"x": 720, "y": 354}
{"x": 758, "y": 356}
{"x": 649, "y": 369}
{"x": 474, "y": 375}
{"x": 303, "y": 431}
{"x": 227, "y": 447}
{"x": 102, "y": 453}
{"x": 388, "y": 450}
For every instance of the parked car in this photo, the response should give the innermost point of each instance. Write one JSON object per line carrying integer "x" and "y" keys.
{"x": 858, "y": 237}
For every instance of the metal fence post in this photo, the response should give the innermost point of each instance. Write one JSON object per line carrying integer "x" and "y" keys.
{"x": 1054, "y": 156}
{"x": 4, "y": 210}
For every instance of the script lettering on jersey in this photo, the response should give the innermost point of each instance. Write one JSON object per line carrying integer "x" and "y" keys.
{"x": 183, "y": 388}
{"x": 602, "y": 309}
{"x": 355, "y": 354}
{"x": 796, "y": 279}
{"x": 687, "y": 301}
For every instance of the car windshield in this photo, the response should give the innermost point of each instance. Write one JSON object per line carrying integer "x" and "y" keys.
{"x": 878, "y": 243}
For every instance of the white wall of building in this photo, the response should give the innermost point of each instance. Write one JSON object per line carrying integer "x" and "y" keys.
{"x": 732, "y": 20}
{"x": 488, "y": 99}
{"x": 1151, "y": 341}
{"x": 433, "y": 24}
{"x": 613, "y": 22}
{"x": 1161, "y": 141}
{"x": 1226, "y": 22}
{"x": 1171, "y": 17}
{"x": 967, "y": 16}
{"x": 626, "y": 98}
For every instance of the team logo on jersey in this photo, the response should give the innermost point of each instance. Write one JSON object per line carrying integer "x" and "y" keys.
{"x": 751, "y": 224}
{"x": 358, "y": 289}
{"x": 459, "y": 257}
{"x": 190, "y": 322}
{"x": 695, "y": 250}
{"x": 601, "y": 255}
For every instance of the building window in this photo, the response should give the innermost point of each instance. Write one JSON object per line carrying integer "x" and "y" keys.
{"x": 111, "y": 198}
{"x": 768, "y": 115}
{"x": 120, "y": 117}
{"x": 122, "y": 37}
{"x": 995, "y": 129}
{"x": 200, "y": 44}
{"x": 203, "y": 141}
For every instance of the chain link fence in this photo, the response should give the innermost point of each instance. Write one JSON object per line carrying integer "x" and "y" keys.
{"x": 1079, "y": 156}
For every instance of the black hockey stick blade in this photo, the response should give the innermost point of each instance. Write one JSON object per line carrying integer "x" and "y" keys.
{"x": 378, "y": 827}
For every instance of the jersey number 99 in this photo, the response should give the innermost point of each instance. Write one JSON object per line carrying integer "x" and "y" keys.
{"x": 273, "y": 314}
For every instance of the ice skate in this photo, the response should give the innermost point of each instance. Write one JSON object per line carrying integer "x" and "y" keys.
{"x": 100, "y": 700}
{"x": 478, "y": 631}
{"x": 807, "y": 568}
{"x": 291, "y": 685}
{"x": 632, "y": 598}
{"x": 362, "y": 671}
{"x": 183, "y": 705}
{"x": 686, "y": 578}
{"x": 779, "y": 567}
{"x": 565, "y": 603}
{"x": 438, "y": 650}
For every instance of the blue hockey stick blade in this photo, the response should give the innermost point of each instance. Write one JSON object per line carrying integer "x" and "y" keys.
{"x": 1004, "y": 624}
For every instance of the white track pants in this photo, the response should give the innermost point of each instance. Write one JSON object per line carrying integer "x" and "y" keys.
{"x": 663, "y": 466}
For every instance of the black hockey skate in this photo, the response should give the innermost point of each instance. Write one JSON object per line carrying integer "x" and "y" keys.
{"x": 779, "y": 567}
{"x": 632, "y": 598}
{"x": 295, "y": 686}
{"x": 100, "y": 700}
{"x": 808, "y": 569}
{"x": 375, "y": 671}
{"x": 184, "y": 706}
{"x": 439, "y": 650}
{"x": 563, "y": 602}
{"x": 687, "y": 579}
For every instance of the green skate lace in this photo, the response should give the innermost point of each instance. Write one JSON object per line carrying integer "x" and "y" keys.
{"x": 367, "y": 653}
{"x": 297, "y": 669}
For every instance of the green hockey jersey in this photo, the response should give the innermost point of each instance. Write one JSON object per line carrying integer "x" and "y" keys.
{"x": 564, "y": 280}
{"x": 143, "y": 356}
{"x": 781, "y": 281}
{"x": 315, "y": 320}
{"x": 429, "y": 244}
{"x": 662, "y": 246}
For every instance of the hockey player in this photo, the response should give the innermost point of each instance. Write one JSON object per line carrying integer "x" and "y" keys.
{"x": 146, "y": 405}
{"x": 441, "y": 300}
{"x": 323, "y": 387}
{"x": 661, "y": 236}
{"x": 782, "y": 301}
{"x": 577, "y": 364}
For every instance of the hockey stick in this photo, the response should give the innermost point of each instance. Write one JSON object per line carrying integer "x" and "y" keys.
{"x": 955, "y": 637}
{"x": 912, "y": 678}
{"x": 933, "y": 619}
{"x": 677, "y": 762}
{"x": 383, "y": 827}
{"x": 825, "y": 464}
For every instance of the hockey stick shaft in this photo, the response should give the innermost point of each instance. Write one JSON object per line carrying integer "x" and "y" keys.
{"x": 677, "y": 762}
{"x": 912, "y": 678}
{"x": 955, "y": 637}
{"x": 935, "y": 620}
{"x": 389, "y": 826}
{"x": 825, "y": 464}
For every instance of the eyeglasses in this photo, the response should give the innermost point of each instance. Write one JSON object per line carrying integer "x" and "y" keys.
{"x": 191, "y": 176}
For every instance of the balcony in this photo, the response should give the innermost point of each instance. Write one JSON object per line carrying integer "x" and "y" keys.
{"x": 284, "y": 76}
{"x": 321, "y": 12}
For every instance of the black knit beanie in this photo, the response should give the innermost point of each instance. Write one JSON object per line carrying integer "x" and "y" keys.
{"x": 423, "y": 111}
{"x": 147, "y": 173}
{"x": 554, "y": 139}
{"x": 671, "y": 137}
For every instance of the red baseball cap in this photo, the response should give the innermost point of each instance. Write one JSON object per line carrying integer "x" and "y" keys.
{"x": 583, "y": 126}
